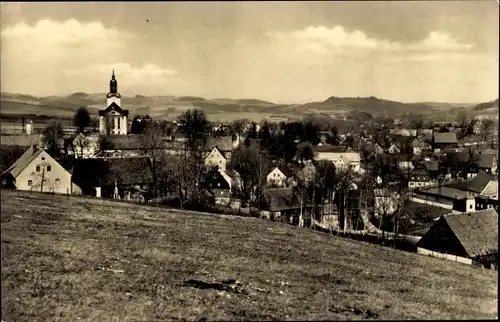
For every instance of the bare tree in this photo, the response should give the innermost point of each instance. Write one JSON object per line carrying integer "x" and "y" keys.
{"x": 52, "y": 137}
{"x": 486, "y": 129}
{"x": 151, "y": 144}
{"x": 80, "y": 143}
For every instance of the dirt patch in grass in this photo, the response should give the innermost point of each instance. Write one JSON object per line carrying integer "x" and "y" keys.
{"x": 88, "y": 259}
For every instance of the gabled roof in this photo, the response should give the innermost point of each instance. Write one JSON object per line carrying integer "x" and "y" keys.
{"x": 458, "y": 157}
{"x": 477, "y": 231}
{"x": 113, "y": 107}
{"x": 477, "y": 184}
{"x": 279, "y": 199}
{"x": 214, "y": 179}
{"x": 445, "y": 137}
{"x": 431, "y": 166}
{"x": 485, "y": 160}
{"x": 17, "y": 167}
{"x": 329, "y": 148}
{"x": 223, "y": 143}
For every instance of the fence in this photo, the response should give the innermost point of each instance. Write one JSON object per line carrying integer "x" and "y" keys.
{"x": 463, "y": 260}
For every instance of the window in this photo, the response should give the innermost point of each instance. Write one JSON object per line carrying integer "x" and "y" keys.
{"x": 30, "y": 183}
{"x": 58, "y": 181}
{"x": 4, "y": 181}
{"x": 37, "y": 168}
{"x": 470, "y": 206}
{"x": 49, "y": 168}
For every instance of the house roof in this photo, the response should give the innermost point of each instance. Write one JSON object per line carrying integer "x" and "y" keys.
{"x": 431, "y": 166}
{"x": 104, "y": 172}
{"x": 279, "y": 199}
{"x": 17, "y": 167}
{"x": 345, "y": 156}
{"x": 477, "y": 231}
{"x": 477, "y": 184}
{"x": 420, "y": 171}
{"x": 111, "y": 107}
{"x": 457, "y": 157}
{"x": 446, "y": 191}
{"x": 216, "y": 180}
{"x": 418, "y": 143}
{"x": 403, "y": 132}
{"x": 485, "y": 160}
{"x": 329, "y": 148}
{"x": 222, "y": 143}
{"x": 445, "y": 137}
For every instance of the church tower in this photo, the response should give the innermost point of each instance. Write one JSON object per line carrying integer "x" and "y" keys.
{"x": 113, "y": 119}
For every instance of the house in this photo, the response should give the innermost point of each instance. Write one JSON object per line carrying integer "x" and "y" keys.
{"x": 386, "y": 201}
{"x": 420, "y": 177}
{"x": 36, "y": 170}
{"x": 285, "y": 205}
{"x": 219, "y": 186}
{"x": 280, "y": 176}
{"x": 342, "y": 160}
{"x": 487, "y": 162}
{"x": 306, "y": 172}
{"x": 471, "y": 236}
{"x": 403, "y": 132}
{"x": 444, "y": 141}
{"x": 122, "y": 146}
{"x": 83, "y": 146}
{"x": 377, "y": 149}
{"x": 481, "y": 185}
{"x": 393, "y": 149}
{"x": 128, "y": 178}
{"x": 113, "y": 119}
{"x": 404, "y": 162}
{"x": 483, "y": 203}
{"x": 472, "y": 140}
{"x": 419, "y": 145}
{"x": 216, "y": 158}
{"x": 223, "y": 143}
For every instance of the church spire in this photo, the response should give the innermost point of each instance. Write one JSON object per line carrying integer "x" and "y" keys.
{"x": 113, "y": 84}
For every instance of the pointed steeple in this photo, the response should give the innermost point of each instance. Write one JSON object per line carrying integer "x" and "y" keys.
{"x": 113, "y": 84}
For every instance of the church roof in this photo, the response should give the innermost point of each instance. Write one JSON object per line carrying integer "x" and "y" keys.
{"x": 113, "y": 107}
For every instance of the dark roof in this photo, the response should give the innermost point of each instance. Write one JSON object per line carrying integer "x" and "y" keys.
{"x": 125, "y": 142}
{"x": 485, "y": 160}
{"x": 111, "y": 107}
{"x": 445, "y": 137}
{"x": 287, "y": 169}
{"x": 89, "y": 173}
{"x": 17, "y": 167}
{"x": 431, "y": 166}
{"x": 222, "y": 143}
{"x": 328, "y": 148}
{"x": 477, "y": 231}
{"x": 215, "y": 180}
{"x": 279, "y": 199}
{"x": 457, "y": 157}
{"x": 477, "y": 184}
{"x": 422, "y": 171}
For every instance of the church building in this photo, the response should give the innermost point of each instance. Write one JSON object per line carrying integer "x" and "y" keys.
{"x": 113, "y": 120}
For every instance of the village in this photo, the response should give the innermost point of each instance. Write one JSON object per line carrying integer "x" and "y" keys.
{"x": 432, "y": 184}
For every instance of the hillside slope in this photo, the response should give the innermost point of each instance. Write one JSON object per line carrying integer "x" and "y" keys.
{"x": 219, "y": 109}
{"x": 76, "y": 258}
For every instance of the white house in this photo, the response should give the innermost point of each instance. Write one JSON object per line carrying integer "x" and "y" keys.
{"x": 393, "y": 149}
{"x": 215, "y": 158}
{"x": 341, "y": 160}
{"x": 279, "y": 176}
{"x": 36, "y": 170}
{"x": 113, "y": 119}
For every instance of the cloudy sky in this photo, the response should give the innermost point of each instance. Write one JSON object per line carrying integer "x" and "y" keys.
{"x": 283, "y": 51}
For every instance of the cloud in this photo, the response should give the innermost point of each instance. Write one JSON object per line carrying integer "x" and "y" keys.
{"x": 149, "y": 79}
{"x": 338, "y": 41}
{"x": 75, "y": 56}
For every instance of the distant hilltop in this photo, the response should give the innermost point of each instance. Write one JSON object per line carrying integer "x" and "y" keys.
{"x": 169, "y": 106}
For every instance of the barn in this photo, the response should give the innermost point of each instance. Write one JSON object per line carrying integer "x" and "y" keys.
{"x": 471, "y": 236}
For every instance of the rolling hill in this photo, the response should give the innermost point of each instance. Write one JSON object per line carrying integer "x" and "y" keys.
{"x": 223, "y": 109}
{"x": 71, "y": 258}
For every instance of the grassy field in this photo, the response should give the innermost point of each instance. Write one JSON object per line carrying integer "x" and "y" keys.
{"x": 86, "y": 259}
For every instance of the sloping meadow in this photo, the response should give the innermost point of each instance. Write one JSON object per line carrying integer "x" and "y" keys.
{"x": 68, "y": 258}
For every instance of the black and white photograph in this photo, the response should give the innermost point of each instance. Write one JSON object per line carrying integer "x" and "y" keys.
{"x": 249, "y": 161}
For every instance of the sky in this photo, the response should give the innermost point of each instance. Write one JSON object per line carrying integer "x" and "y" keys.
{"x": 284, "y": 52}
